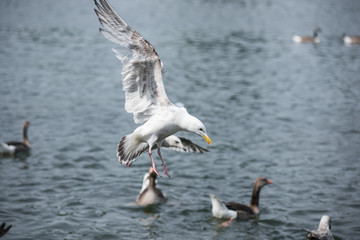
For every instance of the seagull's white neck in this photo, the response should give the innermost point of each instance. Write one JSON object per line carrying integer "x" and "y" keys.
{"x": 186, "y": 120}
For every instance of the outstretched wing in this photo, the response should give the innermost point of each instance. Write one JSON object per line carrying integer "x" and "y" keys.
{"x": 189, "y": 146}
{"x": 142, "y": 67}
{"x": 181, "y": 144}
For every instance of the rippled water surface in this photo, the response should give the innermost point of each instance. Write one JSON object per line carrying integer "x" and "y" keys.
{"x": 273, "y": 108}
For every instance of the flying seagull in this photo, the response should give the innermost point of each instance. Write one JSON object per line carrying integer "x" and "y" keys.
{"x": 145, "y": 95}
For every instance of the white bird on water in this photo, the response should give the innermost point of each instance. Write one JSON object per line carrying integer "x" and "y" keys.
{"x": 323, "y": 232}
{"x": 145, "y": 94}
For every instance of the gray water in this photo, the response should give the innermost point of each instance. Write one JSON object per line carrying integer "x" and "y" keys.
{"x": 273, "y": 108}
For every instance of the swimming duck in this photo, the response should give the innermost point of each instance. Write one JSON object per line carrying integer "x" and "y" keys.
{"x": 15, "y": 147}
{"x": 234, "y": 210}
{"x": 351, "y": 40}
{"x": 149, "y": 193}
{"x": 313, "y": 39}
{"x": 323, "y": 232}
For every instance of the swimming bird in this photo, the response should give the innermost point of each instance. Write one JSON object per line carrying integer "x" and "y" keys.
{"x": 351, "y": 40}
{"x": 6, "y": 149}
{"x": 323, "y": 232}
{"x": 234, "y": 210}
{"x": 15, "y": 147}
{"x": 4, "y": 230}
{"x": 313, "y": 39}
{"x": 181, "y": 144}
{"x": 145, "y": 94}
{"x": 149, "y": 193}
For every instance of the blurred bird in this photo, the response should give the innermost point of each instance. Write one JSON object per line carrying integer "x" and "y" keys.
{"x": 149, "y": 193}
{"x": 304, "y": 39}
{"x": 351, "y": 40}
{"x": 234, "y": 210}
{"x": 15, "y": 147}
{"x": 181, "y": 144}
{"x": 323, "y": 232}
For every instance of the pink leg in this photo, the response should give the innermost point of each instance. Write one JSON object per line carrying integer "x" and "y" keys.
{"x": 227, "y": 223}
{"x": 163, "y": 163}
{"x": 128, "y": 164}
{"x": 153, "y": 164}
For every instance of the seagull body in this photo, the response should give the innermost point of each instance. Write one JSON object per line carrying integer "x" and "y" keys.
{"x": 145, "y": 95}
{"x": 323, "y": 232}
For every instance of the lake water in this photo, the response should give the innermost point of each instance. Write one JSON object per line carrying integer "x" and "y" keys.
{"x": 273, "y": 108}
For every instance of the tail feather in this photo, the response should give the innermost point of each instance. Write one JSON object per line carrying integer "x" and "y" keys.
{"x": 129, "y": 149}
{"x": 297, "y": 38}
{"x": 220, "y": 210}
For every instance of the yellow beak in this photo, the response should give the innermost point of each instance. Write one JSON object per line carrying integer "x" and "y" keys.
{"x": 208, "y": 140}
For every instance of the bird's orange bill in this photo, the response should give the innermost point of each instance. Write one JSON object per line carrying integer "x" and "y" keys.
{"x": 269, "y": 181}
{"x": 208, "y": 140}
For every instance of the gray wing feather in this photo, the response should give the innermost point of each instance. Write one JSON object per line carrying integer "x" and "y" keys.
{"x": 192, "y": 147}
{"x": 142, "y": 67}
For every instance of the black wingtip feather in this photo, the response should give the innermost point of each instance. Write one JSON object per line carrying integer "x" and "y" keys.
{"x": 4, "y": 230}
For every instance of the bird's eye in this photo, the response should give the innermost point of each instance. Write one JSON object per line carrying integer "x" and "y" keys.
{"x": 177, "y": 142}
{"x": 201, "y": 129}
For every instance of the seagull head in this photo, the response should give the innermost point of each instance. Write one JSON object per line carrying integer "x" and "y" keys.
{"x": 191, "y": 124}
{"x": 197, "y": 127}
{"x": 173, "y": 141}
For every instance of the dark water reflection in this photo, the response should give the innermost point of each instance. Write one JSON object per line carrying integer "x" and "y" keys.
{"x": 286, "y": 111}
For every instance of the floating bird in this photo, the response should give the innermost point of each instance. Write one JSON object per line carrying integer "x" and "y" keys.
{"x": 234, "y": 210}
{"x": 181, "y": 144}
{"x": 150, "y": 194}
{"x": 14, "y": 147}
{"x": 313, "y": 39}
{"x": 351, "y": 40}
{"x": 145, "y": 94}
{"x": 323, "y": 232}
{"x": 6, "y": 149}
{"x": 4, "y": 230}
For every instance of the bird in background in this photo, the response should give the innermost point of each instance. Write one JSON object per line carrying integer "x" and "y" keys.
{"x": 304, "y": 39}
{"x": 233, "y": 210}
{"x": 14, "y": 147}
{"x": 181, "y": 144}
{"x": 351, "y": 39}
{"x": 323, "y": 232}
{"x": 150, "y": 194}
